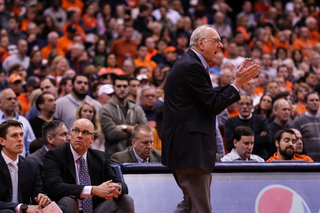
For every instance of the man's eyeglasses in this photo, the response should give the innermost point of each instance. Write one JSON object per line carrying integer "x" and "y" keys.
{"x": 85, "y": 133}
{"x": 213, "y": 39}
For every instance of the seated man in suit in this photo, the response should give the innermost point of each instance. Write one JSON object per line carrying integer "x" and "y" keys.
{"x": 286, "y": 146}
{"x": 141, "y": 150}
{"x": 243, "y": 141}
{"x": 81, "y": 178}
{"x": 54, "y": 134}
{"x": 20, "y": 181}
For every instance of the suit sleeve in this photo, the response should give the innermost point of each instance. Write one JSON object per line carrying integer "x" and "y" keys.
{"x": 53, "y": 181}
{"x": 114, "y": 159}
{"x": 37, "y": 185}
{"x": 228, "y": 135}
{"x": 214, "y": 101}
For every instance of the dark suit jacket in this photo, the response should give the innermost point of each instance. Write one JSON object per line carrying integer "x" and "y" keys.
{"x": 59, "y": 174}
{"x": 38, "y": 156}
{"x": 190, "y": 107}
{"x": 127, "y": 156}
{"x": 28, "y": 179}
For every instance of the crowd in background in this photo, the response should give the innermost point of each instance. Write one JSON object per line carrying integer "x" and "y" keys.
{"x": 73, "y": 54}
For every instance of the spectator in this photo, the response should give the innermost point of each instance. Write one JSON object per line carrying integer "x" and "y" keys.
{"x": 124, "y": 46}
{"x": 141, "y": 150}
{"x": 46, "y": 104}
{"x": 264, "y": 108}
{"x": 35, "y": 42}
{"x": 58, "y": 14}
{"x": 182, "y": 43}
{"x": 128, "y": 67}
{"x": 14, "y": 32}
{"x": 8, "y": 101}
{"x": 308, "y": 124}
{"x": 75, "y": 6}
{"x": 4, "y": 15}
{"x": 311, "y": 24}
{"x": 233, "y": 56}
{"x": 20, "y": 57}
{"x": 50, "y": 26}
{"x": 76, "y": 60}
{"x": 111, "y": 64}
{"x": 261, "y": 81}
{"x": 247, "y": 12}
{"x": 35, "y": 58}
{"x": 249, "y": 88}
{"x": 314, "y": 61}
{"x": 141, "y": 61}
{"x": 15, "y": 83}
{"x": 171, "y": 14}
{"x": 303, "y": 43}
{"x": 99, "y": 58}
{"x": 282, "y": 111}
{"x": 118, "y": 117}
{"x": 55, "y": 178}
{"x": 297, "y": 57}
{"x": 242, "y": 24}
{"x": 226, "y": 76}
{"x": 58, "y": 68}
{"x": 52, "y": 39}
{"x": 54, "y": 134}
{"x": 4, "y": 46}
{"x": 141, "y": 23}
{"x": 266, "y": 66}
{"x": 88, "y": 23}
{"x": 299, "y": 144}
{"x": 65, "y": 42}
{"x": 311, "y": 80}
{"x": 171, "y": 55}
{"x": 282, "y": 71}
{"x": 80, "y": 87}
{"x": 243, "y": 142}
{"x": 272, "y": 88}
{"x": 105, "y": 94}
{"x": 286, "y": 145}
{"x": 257, "y": 123}
{"x": 32, "y": 84}
{"x": 150, "y": 103}
{"x": 223, "y": 28}
{"x": 300, "y": 92}
{"x": 134, "y": 90}
{"x": 87, "y": 110}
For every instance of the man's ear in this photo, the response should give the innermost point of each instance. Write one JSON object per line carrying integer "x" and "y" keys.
{"x": 235, "y": 143}
{"x": 1, "y": 141}
{"x": 50, "y": 139}
{"x": 133, "y": 142}
{"x": 277, "y": 143}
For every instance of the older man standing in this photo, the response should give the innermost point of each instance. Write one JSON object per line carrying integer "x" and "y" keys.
{"x": 190, "y": 107}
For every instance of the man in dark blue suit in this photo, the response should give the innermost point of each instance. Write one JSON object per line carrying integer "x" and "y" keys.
{"x": 20, "y": 183}
{"x": 190, "y": 107}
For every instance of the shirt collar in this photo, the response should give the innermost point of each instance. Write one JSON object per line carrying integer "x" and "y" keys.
{"x": 203, "y": 61}
{"x": 237, "y": 156}
{"x": 9, "y": 160}
{"x": 140, "y": 160}
{"x": 76, "y": 156}
{"x": 4, "y": 116}
{"x": 311, "y": 115}
{"x": 242, "y": 118}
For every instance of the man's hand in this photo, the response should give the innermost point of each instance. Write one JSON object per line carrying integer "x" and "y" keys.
{"x": 32, "y": 38}
{"x": 245, "y": 73}
{"x": 107, "y": 190}
{"x": 43, "y": 200}
{"x": 263, "y": 133}
{"x": 34, "y": 209}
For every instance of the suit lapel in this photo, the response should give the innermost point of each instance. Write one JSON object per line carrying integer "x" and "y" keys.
{"x": 192, "y": 54}
{"x": 4, "y": 169}
{"x": 70, "y": 163}
{"x": 94, "y": 168}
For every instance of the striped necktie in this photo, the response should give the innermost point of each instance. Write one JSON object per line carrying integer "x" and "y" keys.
{"x": 14, "y": 180}
{"x": 84, "y": 179}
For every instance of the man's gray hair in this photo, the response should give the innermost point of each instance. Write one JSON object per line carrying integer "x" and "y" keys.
{"x": 310, "y": 19}
{"x": 147, "y": 87}
{"x": 4, "y": 90}
{"x": 314, "y": 53}
{"x": 200, "y": 32}
{"x": 276, "y": 103}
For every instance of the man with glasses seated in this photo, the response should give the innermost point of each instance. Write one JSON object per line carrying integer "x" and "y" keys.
{"x": 80, "y": 178}
{"x": 258, "y": 123}
{"x": 119, "y": 116}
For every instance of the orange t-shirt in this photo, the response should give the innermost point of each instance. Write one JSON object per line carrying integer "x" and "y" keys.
{"x": 234, "y": 113}
{"x": 64, "y": 45}
{"x": 24, "y": 24}
{"x": 79, "y": 30}
{"x": 284, "y": 45}
{"x": 108, "y": 70}
{"x": 46, "y": 51}
{"x": 25, "y": 102}
{"x": 150, "y": 54}
{"x": 16, "y": 10}
{"x": 305, "y": 47}
{"x": 301, "y": 109}
{"x": 295, "y": 157}
{"x": 76, "y": 6}
{"x": 259, "y": 90}
{"x": 89, "y": 22}
{"x": 314, "y": 36}
{"x": 149, "y": 64}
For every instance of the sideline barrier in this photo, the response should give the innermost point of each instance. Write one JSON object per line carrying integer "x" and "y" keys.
{"x": 277, "y": 187}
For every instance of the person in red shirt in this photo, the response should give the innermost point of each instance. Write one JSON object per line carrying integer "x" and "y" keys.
{"x": 286, "y": 145}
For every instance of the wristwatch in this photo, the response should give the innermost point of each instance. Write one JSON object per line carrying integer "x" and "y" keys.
{"x": 24, "y": 208}
{"x": 124, "y": 127}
